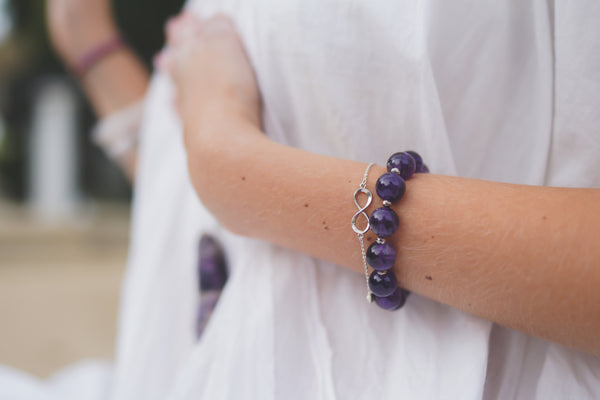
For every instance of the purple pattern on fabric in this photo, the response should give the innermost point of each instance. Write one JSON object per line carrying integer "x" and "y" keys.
{"x": 212, "y": 276}
{"x": 208, "y": 302}
{"x": 212, "y": 269}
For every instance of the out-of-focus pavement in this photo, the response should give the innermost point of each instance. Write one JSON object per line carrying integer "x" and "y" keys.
{"x": 59, "y": 286}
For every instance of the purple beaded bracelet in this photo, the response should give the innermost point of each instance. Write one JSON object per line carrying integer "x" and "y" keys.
{"x": 390, "y": 187}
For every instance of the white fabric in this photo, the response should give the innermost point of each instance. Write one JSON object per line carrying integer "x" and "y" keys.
{"x": 88, "y": 380}
{"x": 507, "y": 91}
{"x": 117, "y": 134}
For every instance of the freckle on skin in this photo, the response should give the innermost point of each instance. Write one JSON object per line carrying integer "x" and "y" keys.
{"x": 324, "y": 222}
{"x": 326, "y": 228}
{"x": 243, "y": 178}
{"x": 544, "y": 217}
{"x": 306, "y": 205}
{"x": 432, "y": 236}
{"x": 429, "y": 278}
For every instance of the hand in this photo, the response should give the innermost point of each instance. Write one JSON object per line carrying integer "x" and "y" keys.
{"x": 216, "y": 87}
{"x": 75, "y": 26}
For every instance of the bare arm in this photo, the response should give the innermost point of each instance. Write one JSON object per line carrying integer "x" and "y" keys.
{"x": 522, "y": 256}
{"x": 117, "y": 80}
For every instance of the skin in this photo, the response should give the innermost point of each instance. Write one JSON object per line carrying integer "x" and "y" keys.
{"x": 522, "y": 256}
{"x": 115, "y": 81}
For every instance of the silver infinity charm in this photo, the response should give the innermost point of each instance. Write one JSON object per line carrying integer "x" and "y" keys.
{"x": 361, "y": 210}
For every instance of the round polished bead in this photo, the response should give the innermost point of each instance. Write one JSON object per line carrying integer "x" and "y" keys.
{"x": 381, "y": 257}
{"x": 418, "y": 160}
{"x": 382, "y": 284}
{"x": 394, "y": 301}
{"x": 384, "y": 222}
{"x": 390, "y": 186}
{"x": 423, "y": 169}
{"x": 404, "y": 163}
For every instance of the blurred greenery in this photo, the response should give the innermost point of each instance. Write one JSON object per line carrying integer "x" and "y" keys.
{"x": 27, "y": 58}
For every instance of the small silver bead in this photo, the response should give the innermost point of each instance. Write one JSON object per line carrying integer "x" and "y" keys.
{"x": 369, "y": 297}
{"x": 387, "y": 203}
{"x": 395, "y": 170}
{"x": 380, "y": 240}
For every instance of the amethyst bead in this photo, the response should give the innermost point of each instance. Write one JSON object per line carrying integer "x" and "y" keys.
{"x": 418, "y": 160}
{"x": 384, "y": 222}
{"x": 390, "y": 186}
{"x": 382, "y": 284}
{"x": 404, "y": 162}
{"x": 423, "y": 169}
{"x": 393, "y": 301}
{"x": 381, "y": 257}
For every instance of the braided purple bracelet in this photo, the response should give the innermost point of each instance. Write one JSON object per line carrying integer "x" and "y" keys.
{"x": 96, "y": 54}
{"x": 390, "y": 187}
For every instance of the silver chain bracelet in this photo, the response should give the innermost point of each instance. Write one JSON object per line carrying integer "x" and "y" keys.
{"x": 360, "y": 232}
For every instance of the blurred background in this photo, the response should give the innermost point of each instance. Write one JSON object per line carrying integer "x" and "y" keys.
{"x": 64, "y": 208}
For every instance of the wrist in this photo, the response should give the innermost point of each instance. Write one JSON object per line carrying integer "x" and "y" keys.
{"x": 85, "y": 40}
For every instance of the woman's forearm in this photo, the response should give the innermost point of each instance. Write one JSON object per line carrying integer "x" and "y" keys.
{"x": 113, "y": 84}
{"x": 76, "y": 28}
{"x": 525, "y": 257}
{"x": 114, "y": 81}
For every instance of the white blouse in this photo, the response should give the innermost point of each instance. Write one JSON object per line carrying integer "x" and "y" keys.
{"x": 506, "y": 91}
